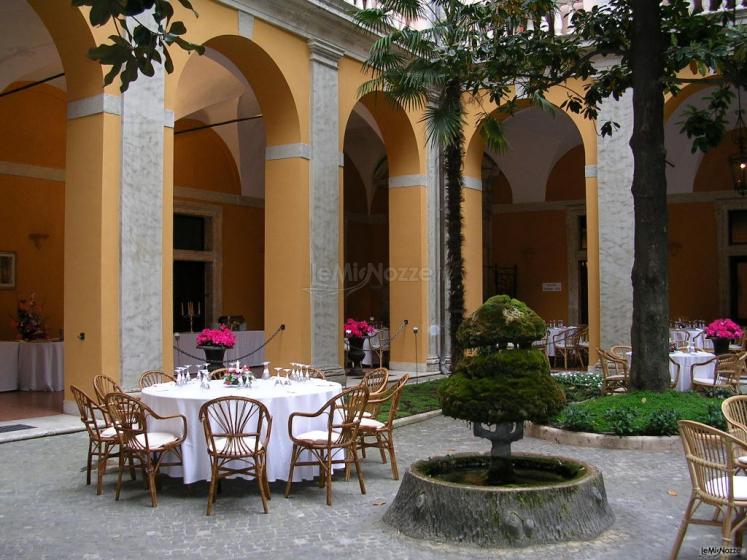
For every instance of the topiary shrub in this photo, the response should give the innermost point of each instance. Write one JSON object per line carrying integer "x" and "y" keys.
{"x": 501, "y": 387}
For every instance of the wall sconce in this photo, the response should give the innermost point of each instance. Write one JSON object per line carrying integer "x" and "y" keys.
{"x": 37, "y": 238}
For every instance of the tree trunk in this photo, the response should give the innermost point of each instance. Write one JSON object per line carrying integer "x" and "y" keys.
{"x": 454, "y": 261}
{"x": 649, "y": 332}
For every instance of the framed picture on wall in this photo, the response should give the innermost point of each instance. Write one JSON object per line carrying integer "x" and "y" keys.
{"x": 7, "y": 271}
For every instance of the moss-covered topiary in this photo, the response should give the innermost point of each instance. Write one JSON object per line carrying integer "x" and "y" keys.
{"x": 501, "y": 320}
{"x": 499, "y": 387}
{"x": 502, "y": 386}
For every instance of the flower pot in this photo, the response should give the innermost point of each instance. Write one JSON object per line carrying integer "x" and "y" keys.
{"x": 214, "y": 356}
{"x": 720, "y": 345}
{"x": 356, "y": 354}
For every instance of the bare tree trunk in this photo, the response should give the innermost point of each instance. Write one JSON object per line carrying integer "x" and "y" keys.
{"x": 649, "y": 333}
{"x": 454, "y": 261}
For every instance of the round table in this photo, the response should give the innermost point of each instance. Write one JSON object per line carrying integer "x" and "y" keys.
{"x": 280, "y": 400}
{"x": 687, "y": 360}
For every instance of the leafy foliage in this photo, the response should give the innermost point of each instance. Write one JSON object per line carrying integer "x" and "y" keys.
{"x": 641, "y": 413}
{"x": 579, "y": 386}
{"x": 145, "y": 31}
{"x": 501, "y": 320}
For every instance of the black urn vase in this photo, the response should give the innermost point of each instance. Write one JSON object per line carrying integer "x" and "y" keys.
{"x": 720, "y": 345}
{"x": 214, "y": 356}
{"x": 356, "y": 354}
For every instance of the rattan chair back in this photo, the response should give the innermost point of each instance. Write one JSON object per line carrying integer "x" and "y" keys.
{"x": 315, "y": 373}
{"x": 130, "y": 420}
{"x": 239, "y": 424}
{"x": 614, "y": 373}
{"x": 735, "y": 413}
{"x": 218, "y": 374}
{"x": 674, "y": 379}
{"x": 393, "y": 396}
{"x": 620, "y": 351}
{"x": 91, "y": 414}
{"x": 375, "y": 380}
{"x": 103, "y": 385}
{"x": 154, "y": 376}
{"x": 679, "y": 336}
{"x": 346, "y": 411}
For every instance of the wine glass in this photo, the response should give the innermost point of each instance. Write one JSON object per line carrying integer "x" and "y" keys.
{"x": 277, "y": 371}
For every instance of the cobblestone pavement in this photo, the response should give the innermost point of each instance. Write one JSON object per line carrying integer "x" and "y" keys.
{"x": 47, "y": 511}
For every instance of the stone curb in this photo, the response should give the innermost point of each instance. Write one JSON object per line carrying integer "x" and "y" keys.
{"x": 39, "y": 433}
{"x": 602, "y": 441}
{"x": 415, "y": 418}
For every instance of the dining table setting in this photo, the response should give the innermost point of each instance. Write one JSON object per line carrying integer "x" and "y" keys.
{"x": 281, "y": 395}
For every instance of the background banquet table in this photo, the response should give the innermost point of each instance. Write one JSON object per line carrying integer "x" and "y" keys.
{"x": 246, "y": 341}
{"x": 280, "y": 400}
{"x": 32, "y": 366}
{"x": 686, "y": 360}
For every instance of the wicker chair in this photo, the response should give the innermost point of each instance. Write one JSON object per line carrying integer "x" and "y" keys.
{"x": 674, "y": 380}
{"x": 218, "y": 374}
{"x": 375, "y": 380}
{"x": 382, "y": 431}
{"x": 102, "y": 439}
{"x": 237, "y": 431}
{"x": 154, "y": 376}
{"x": 580, "y": 344}
{"x": 614, "y": 373}
{"x": 315, "y": 373}
{"x": 710, "y": 457}
{"x": 620, "y": 351}
{"x": 729, "y": 368}
{"x": 343, "y": 416}
{"x": 563, "y": 343}
{"x": 735, "y": 413}
{"x": 132, "y": 421}
{"x": 541, "y": 344}
{"x": 103, "y": 385}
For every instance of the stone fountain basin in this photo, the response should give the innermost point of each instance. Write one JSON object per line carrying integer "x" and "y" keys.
{"x": 430, "y": 508}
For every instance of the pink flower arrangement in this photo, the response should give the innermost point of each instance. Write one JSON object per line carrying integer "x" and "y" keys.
{"x": 29, "y": 322}
{"x": 723, "y": 328}
{"x": 357, "y": 329}
{"x": 217, "y": 337}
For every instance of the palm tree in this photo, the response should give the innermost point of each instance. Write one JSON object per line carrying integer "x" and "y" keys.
{"x": 425, "y": 70}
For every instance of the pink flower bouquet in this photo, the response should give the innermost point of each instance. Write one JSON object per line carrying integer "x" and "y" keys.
{"x": 357, "y": 329}
{"x": 723, "y": 328}
{"x": 217, "y": 337}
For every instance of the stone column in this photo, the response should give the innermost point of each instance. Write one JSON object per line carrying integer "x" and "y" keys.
{"x": 141, "y": 211}
{"x": 437, "y": 321}
{"x": 324, "y": 207}
{"x": 614, "y": 173}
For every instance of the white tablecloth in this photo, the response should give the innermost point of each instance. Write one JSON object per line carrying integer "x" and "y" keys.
{"x": 246, "y": 341}
{"x": 41, "y": 366}
{"x": 686, "y": 360}
{"x": 551, "y": 343}
{"x": 280, "y": 400}
{"x": 9, "y": 366}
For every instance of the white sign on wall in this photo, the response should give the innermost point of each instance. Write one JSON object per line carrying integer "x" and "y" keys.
{"x": 552, "y": 286}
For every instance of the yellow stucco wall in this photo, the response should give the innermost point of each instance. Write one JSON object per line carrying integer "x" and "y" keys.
{"x": 32, "y": 132}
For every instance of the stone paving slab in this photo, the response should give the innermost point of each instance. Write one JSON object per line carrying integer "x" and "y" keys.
{"x": 47, "y": 511}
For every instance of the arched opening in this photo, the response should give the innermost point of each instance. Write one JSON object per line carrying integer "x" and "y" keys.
{"x": 534, "y": 232}
{"x": 41, "y": 71}
{"x": 366, "y": 222}
{"x": 232, "y": 104}
{"x": 707, "y": 254}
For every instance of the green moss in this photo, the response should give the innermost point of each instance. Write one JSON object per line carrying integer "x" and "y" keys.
{"x": 602, "y": 415}
{"x": 507, "y": 386}
{"x": 501, "y": 320}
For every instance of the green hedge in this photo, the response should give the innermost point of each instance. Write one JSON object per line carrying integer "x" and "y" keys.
{"x": 640, "y": 413}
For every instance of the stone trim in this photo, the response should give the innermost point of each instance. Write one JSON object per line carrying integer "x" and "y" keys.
{"x": 218, "y": 197}
{"x": 102, "y": 103}
{"x": 168, "y": 118}
{"x": 246, "y": 23}
{"x": 406, "y": 181}
{"x": 602, "y": 441}
{"x": 325, "y": 53}
{"x": 410, "y": 367}
{"x": 590, "y": 171}
{"x": 288, "y": 151}
{"x": 472, "y": 183}
{"x": 536, "y": 206}
{"x": 32, "y": 171}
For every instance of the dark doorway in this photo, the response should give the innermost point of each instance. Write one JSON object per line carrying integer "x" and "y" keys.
{"x": 583, "y": 293}
{"x": 738, "y": 289}
{"x": 189, "y": 287}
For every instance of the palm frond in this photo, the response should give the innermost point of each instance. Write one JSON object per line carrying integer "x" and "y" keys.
{"x": 443, "y": 121}
{"x": 491, "y": 130}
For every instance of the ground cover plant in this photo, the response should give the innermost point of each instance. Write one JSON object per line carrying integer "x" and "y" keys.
{"x": 415, "y": 399}
{"x": 641, "y": 413}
